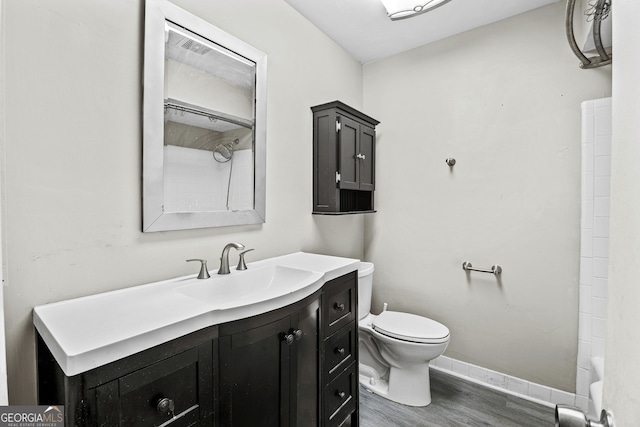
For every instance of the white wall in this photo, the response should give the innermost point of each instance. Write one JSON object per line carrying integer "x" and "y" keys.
{"x": 622, "y": 353}
{"x": 504, "y": 101}
{"x": 73, "y": 154}
{"x": 4, "y": 397}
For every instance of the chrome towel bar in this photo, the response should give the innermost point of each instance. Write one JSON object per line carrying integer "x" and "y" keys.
{"x": 495, "y": 269}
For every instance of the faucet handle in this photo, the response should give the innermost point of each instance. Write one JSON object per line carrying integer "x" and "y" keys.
{"x": 204, "y": 273}
{"x": 241, "y": 264}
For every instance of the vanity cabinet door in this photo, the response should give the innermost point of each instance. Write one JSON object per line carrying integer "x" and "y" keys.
{"x": 269, "y": 374}
{"x": 306, "y": 359}
{"x": 173, "y": 392}
{"x": 254, "y": 374}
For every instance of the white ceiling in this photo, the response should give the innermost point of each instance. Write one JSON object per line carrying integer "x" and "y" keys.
{"x": 363, "y": 29}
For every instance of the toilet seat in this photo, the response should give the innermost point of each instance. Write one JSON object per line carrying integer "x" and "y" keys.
{"x": 410, "y": 327}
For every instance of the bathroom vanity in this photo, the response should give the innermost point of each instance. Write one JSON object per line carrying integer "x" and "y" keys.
{"x": 275, "y": 345}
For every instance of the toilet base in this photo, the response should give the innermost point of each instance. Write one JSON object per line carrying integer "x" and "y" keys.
{"x": 409, "y": 386}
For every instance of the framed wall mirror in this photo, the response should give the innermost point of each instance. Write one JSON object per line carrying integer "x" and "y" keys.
{"x": 204, "y": 124}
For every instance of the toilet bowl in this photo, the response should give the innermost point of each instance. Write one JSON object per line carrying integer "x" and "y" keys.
{"x": 396, "y": 348}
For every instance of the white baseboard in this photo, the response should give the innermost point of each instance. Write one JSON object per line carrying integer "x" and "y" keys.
{"x": 524, "y": 389}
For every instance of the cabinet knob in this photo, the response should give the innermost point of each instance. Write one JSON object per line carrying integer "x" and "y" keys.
{"x": 297, "y": 334}
{"x": 340, "y": 350}
{"x": 338, "y": 306}
{"x": 165, "y": 405}
{"x": 341, "y": 394}
{"x": 288, "y": 338}
{"x": 360, "y": 156}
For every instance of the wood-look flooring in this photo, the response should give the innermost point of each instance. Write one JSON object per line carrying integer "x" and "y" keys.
{"x": 455, "y": 402}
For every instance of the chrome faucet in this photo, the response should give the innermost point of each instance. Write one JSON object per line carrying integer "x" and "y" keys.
{"x": 224, "y": 259}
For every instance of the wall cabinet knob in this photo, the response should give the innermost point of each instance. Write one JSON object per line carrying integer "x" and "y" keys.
{"x": 341, "y": 394}
{"x": 360, "y": 156}
{"x": 288, "y": 338}
{"x": 165, "y": 405}
{"x": 338, "y": 306}
{"x": 297, "y": 334}
{"x": 340, "y": 350}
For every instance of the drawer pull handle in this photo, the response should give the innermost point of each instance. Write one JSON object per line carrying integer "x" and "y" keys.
{"x": 338, "y": 306}
{"x": 165, "y": 406}
{"x": 341, "y": 394}
{"x": 340, "y": 350}
{"x": 297, "y": 334}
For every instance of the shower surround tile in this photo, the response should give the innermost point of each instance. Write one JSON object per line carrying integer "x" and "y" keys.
{"x": 594, "y": 255}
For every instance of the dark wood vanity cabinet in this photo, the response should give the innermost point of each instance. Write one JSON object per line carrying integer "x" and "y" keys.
{"x": 294, "y": 366}
{"x": 343, "y": 159}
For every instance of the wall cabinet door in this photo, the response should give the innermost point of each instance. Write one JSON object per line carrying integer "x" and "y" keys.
{"x": 366, "y": 161}
{"x": 348, "y": 149}
{"x": 356, "y": 151}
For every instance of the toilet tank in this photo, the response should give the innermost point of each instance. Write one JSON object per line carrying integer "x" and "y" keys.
{"x": 365, "y": 288}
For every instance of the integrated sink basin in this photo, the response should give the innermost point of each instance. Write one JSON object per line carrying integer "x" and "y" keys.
{"x": 241, "y": 288}
{"x": 95, "y": 330}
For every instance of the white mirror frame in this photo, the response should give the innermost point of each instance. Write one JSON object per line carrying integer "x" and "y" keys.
{"x": 153, "y": 216}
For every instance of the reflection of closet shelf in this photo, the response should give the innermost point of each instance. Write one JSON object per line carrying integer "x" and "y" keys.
{"x": 195, "y": 115}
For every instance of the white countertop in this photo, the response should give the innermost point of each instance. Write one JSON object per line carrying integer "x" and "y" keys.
{"x": 88, "y": 332}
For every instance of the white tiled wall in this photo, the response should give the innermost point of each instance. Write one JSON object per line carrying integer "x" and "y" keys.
{"x": 196, "y": 182}
{"x": 594, "y": 256}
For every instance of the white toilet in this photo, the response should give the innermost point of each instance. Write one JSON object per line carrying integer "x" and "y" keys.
{"x": 396, "y": 348}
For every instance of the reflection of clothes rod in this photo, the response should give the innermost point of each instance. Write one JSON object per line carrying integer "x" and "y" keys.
{"x": 495, "y": 269}
{"x": 212, "y": 117}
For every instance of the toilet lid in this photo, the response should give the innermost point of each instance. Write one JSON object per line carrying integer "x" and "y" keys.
{"x": 410, "y": 327}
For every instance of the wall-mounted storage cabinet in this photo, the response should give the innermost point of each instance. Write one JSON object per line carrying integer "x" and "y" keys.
{"x": 343, "y": 159}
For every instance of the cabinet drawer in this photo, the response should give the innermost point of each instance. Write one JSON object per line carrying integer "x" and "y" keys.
{"x": 340, "y": 396}
{"x": 153, "y": 395}
{"x": 340, "y": 351}
{"x": 340, "y": 303}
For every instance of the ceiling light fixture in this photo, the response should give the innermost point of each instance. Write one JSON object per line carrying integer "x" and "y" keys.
{"x": 401, "y": 9}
